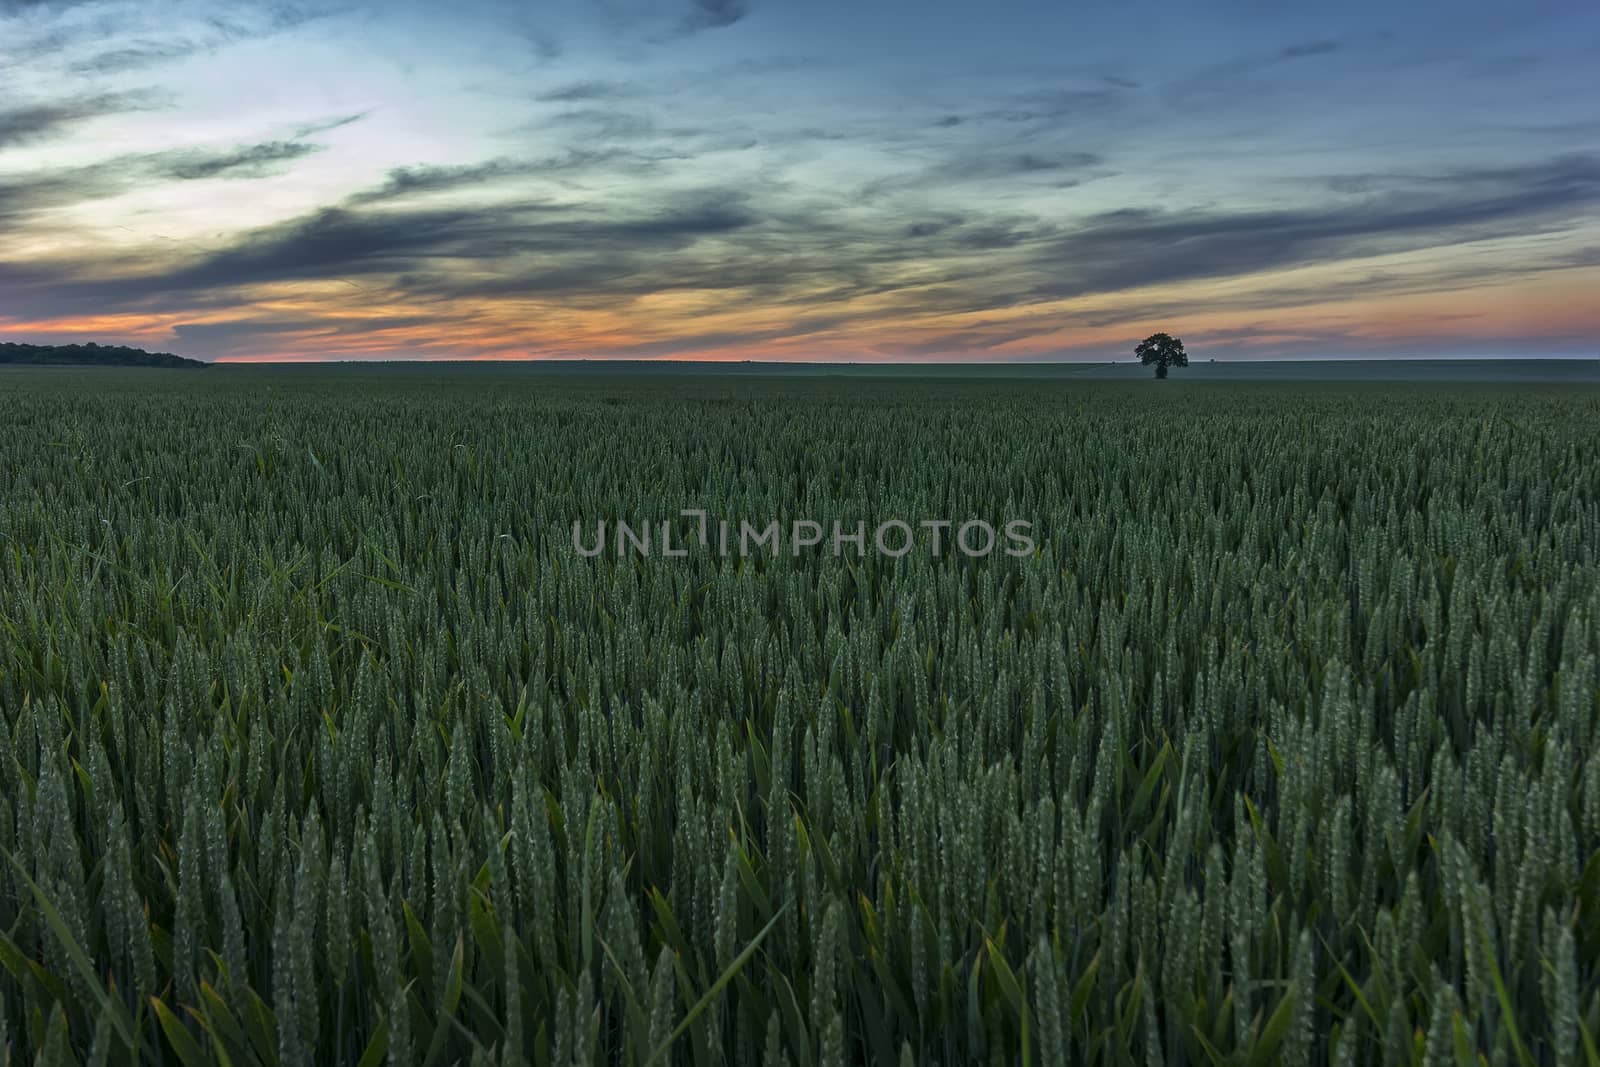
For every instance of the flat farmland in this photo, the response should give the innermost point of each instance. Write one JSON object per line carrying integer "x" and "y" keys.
{"x": 327, "y": 738}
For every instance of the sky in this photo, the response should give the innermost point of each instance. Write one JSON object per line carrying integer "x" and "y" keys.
{"x": 875, "y": 180}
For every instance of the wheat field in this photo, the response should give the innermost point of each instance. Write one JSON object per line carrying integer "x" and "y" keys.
{"x": 319, "y": 743}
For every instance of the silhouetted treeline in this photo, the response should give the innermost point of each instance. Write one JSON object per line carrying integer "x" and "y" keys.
{"x": 92, "y": 353}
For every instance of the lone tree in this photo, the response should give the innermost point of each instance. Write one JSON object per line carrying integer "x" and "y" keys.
{"x": 1164, "y": 351}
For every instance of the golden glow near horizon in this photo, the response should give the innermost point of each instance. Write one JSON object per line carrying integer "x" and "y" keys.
{"x": 729, "y": 181}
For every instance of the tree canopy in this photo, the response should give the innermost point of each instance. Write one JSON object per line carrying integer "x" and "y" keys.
{"x": 1164, "y": 351}
{"x": 92, "y": 354}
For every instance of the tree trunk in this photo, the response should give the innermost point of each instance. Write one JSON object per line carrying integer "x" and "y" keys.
{"x": 1161, "y": 370}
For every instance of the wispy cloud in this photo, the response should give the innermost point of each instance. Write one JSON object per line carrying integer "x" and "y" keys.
{"x": 1307, "y": 49}
{"x": 250, "y": 161}
{"x": 1140, "y": 247}
{"x": 982, "y": 165}
{"x": 584, "y": 91}
{"x": 135, "y": 55}
{"x": 704, "y": 15}
{"x": 29, "y": 193}
{"x": 15, "y": 7}
{"x": 311, "y": 129}
{"x": 421, "y": 180}
{"x": 26, "y": 123}
{"x": 714, "y": 14}
{"x": 815, "y": 252}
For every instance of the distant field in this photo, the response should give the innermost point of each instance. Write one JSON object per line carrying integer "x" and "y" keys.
{"x": 472, "y": 374}
{"x": 323, "y": 743}
{"x": 1377, "y": 371}
{"x": 1586, "y": 371}
{"x": 1374, "y": 370}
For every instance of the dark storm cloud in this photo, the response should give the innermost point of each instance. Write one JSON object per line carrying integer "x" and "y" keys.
{"x": 35, "y": 122}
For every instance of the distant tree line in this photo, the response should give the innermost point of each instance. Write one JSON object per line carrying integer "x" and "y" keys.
{"x": 94, "y": 354}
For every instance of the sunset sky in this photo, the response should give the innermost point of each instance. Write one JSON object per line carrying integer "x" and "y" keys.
{"x": 801, "y": 179}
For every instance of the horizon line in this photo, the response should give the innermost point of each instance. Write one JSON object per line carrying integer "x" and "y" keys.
{"x": 296, "y": 361}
